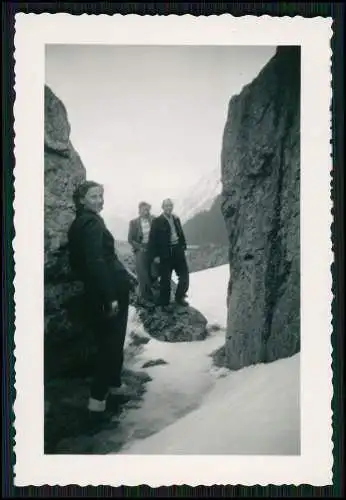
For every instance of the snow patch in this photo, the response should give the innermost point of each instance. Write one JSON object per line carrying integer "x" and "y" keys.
{"x": 177, "y": 387}
{"x": 193, "y": 407}
{"x": 254, "y": 411}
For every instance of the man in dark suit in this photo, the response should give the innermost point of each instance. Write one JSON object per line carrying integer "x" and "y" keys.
{"x": 138, "y": 238}
{"x": 107, "y": 285}
{"x": 167, "y": 246}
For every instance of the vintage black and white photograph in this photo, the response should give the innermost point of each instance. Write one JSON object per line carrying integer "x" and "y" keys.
{"x": 172, "y": 269}
{"x": 178, "y": 254}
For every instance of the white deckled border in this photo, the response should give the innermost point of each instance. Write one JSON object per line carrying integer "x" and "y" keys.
{"x": 314, "y": 465}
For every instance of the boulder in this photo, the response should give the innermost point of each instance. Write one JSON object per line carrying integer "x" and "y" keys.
{"x": 261, "y": 207}
{"x": 63, "y": 171}
{"x": 183, "y": 324}
{"x": 154, "y": 362}
{"x": 66, "y": 341}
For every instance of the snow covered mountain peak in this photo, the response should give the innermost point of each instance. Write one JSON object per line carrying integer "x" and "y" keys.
{"x": 200, "y": 197}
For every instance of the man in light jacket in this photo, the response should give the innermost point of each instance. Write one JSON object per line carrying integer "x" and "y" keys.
{"x": 138, "y": 238}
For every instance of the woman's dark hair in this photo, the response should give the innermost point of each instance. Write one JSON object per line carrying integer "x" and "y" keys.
{"x": 81, "y": 191}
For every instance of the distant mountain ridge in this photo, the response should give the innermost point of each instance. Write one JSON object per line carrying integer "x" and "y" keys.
{"x": 196, "y": 200}
{"x": 207, "y": 227}
{"x": 200, "y": 197}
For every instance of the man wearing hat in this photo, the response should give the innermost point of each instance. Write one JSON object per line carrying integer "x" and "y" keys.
{"x": 138, "y": 238}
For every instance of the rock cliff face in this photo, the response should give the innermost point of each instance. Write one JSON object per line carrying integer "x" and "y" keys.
{"x": 62, "y": 173}
{"x": 260, "y": 204}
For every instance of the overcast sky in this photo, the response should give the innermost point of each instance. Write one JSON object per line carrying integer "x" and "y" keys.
{"x": 147, "y": 121}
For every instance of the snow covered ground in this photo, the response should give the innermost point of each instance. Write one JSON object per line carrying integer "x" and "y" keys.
{"x": 191, "y": 407}
{"x": 251, "y": 412}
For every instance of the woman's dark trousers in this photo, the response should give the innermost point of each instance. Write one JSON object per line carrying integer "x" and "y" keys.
{"x": 109, "y": 332}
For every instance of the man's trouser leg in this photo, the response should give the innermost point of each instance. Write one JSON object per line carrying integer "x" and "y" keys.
{"x": 143, "y": 274}
{"x": 165, "y": 280}
{"x": 182, "y": 271}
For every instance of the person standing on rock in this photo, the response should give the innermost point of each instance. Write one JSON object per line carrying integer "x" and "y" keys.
{"x": 138, "y": 238}
{"x": 107, "y": 287}
{"x": 167, "y": 247}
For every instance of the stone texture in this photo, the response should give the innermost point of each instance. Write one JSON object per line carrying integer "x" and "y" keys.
{"x": 260, "y": 204}
{"x": 183, "y": 324}
{"x": 154, "y": 362}
{"x": 66, "y": 341}
{"x": 63, "y": 171}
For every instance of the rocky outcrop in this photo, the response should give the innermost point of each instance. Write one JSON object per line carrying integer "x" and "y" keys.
{"x": 63, "y": 171}
{"x": 260, "y": 204}
{"x": 65, "y": 343}
{"x": 182, "y": 324}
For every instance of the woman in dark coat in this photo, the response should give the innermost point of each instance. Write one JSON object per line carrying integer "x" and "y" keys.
{"x": 107, "y": 286}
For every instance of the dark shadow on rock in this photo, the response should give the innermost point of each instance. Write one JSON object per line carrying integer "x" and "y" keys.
{"x": 154, "y": 362}
{"x": 219, "y": 357}
{"x": 84, "y": 445}
{"x": 71, "y": 428}
{"x": 138, "y": 340}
